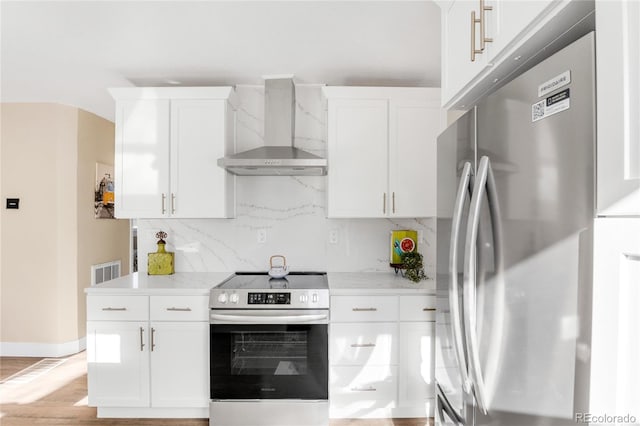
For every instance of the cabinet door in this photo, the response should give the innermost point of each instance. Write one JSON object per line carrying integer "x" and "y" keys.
{"x": 198, "y": 136}
{"x": 413, "y": 131}
{"x": 510, "y": 18}
{"x": 618, "y": 87}
{"x": 142, "y": 158}
{"x": 457, "y": 67}
{"x": 118, "y": 363}
{"x": 416, "y": 363}
{"x": 180, "y": 364}
{"x": 357, "y": 154}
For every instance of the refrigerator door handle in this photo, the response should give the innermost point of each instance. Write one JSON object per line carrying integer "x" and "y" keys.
{"x": 454, "y": 307}
{"x": 443, "y": 407}
{"x": 484, "y": 179}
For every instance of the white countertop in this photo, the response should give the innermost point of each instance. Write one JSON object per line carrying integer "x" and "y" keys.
{"x": 186, "y": 283}
{"x": 194, "y": 283}
{"x": 385, "y": 283}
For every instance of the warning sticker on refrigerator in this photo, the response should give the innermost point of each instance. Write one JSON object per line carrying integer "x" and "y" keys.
{"x": 551, "y": 105}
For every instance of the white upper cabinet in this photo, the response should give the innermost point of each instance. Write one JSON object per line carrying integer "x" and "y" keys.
{"x": 168, "y": 141}
{"x": 618, "y": 86}
{"x": 486, "y": 41}
{"x": 382, "y": 151}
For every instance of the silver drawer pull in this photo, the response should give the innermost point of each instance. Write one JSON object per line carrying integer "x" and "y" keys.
{"x": 364, "y": 309}
{"x": 114, "y": 309}
{"x": 428, "y": 309}
{"x": 364, "y": 389}
{"x": 363, "y": 345}
{"x": 179, "y": 309}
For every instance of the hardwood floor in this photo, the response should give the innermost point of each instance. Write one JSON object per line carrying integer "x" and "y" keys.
{"x": 34, "y": 391}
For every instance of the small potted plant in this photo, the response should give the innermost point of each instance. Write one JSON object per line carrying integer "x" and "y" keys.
{"x": 413, "y": 267}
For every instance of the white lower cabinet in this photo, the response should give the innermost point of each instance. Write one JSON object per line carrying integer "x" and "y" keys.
{"x": 118, "y": 364}
{"x": 148, "y": 356}
{"x": 381, "y": 356}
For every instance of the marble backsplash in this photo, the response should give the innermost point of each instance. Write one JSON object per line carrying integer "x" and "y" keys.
{"x": 290, "y": 211}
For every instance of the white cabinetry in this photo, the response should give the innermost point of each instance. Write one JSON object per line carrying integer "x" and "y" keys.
{"x": 168, "y": 141}
{"x": 381, "y": 356}
{"x": 382, "y": 151}
{"x": 148, "y": 355}
{"x": 618, "y": 86}
{"x": 514, "y": 32}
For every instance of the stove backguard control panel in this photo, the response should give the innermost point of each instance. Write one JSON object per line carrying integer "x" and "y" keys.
{"x": 269, "y": 299}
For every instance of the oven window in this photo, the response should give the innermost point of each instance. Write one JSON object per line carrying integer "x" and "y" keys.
{"x": 263, "y": 353}
{"x": 269, "y": 361}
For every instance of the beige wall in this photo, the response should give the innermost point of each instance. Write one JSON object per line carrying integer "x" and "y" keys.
{"x": 101, "y": 240}
{"x": 47, "y": 152}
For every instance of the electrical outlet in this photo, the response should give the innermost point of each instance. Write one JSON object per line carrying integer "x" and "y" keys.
{"x": 333, "y": 236}
{"x": 262, "y": 236}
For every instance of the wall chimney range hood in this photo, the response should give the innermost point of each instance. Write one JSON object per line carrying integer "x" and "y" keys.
{"x": 278, "y": 156}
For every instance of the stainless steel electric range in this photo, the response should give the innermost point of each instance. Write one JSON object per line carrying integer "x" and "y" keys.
{"x": 269, "y": 350}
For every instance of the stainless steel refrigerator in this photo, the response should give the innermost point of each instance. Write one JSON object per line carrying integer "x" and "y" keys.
{"x": 516, "y": 209}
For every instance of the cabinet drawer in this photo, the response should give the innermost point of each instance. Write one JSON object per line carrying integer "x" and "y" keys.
{"x": 117, "y": 308}
{"x": 356, "y": 390}
{"x": 364, "y": 308}
{"x": 417, "y": 308}
{"x": 179, "y": 308}
{"x": 363, "y": 344}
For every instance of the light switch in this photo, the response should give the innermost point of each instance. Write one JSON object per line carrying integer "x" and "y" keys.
{"x": 13, "y": 203}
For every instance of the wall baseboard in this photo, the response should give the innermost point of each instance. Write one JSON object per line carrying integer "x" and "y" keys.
{"x": 43, "y": 350}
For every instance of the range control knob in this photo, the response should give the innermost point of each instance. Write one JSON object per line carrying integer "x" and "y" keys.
{"x": 304, "y": 298}
{"x": 222, "y": 298}
{"x": 314, "y": 298}
{"x": 234, "y": 298}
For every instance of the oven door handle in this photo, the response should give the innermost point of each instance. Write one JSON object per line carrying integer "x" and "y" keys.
{"x": 271, "y": 319}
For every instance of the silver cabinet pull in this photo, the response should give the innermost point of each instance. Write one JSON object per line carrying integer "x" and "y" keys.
{"x": 153, "y": 343}
{"x": 483, "y": 38}
{"x": 364, "y": 309}
{"x": 164, "y": 197}
{"x": 393, "y": 202}
{"x": 114, "y": 309}
{"x": 363, "y": 345}
{"x": 428, "y": 309}
{"x": 141, "y": 339}
{"x": 369, "y": 389}
{"x": 474, "y": 21}
{"x": 384, "y": 203}
{"x": 173, "y": 203}
{"x": 179, "y": 309}
{"x": 632, "y": 257}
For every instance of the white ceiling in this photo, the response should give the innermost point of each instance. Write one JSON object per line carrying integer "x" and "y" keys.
{"x": 70, "y": 52}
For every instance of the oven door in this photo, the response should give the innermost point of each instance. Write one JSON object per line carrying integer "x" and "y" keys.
{"x": 284, "y": 358}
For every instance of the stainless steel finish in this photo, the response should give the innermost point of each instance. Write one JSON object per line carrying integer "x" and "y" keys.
{"x": 484, "y": 184}
{"x": 114, "y": 309}
{"x": 278, "y": 157}
{"x": 270, "y": 316}
{"x": 153, "y": 340}
{"x": 173, "y": 203}
{"x": 141, "y": 339}
{"x": 164, "y": 197}
{"x": 527, "y": 286}
{"x": 292, "y": 412}
{"x": 454, "y": 307}
{"x": 179, "y": 309}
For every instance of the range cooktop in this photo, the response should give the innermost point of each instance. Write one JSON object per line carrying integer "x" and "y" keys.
{"x": 257, "y": 290}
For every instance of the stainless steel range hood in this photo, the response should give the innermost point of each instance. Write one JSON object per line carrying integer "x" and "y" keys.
{"x": 278, "y": 157}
